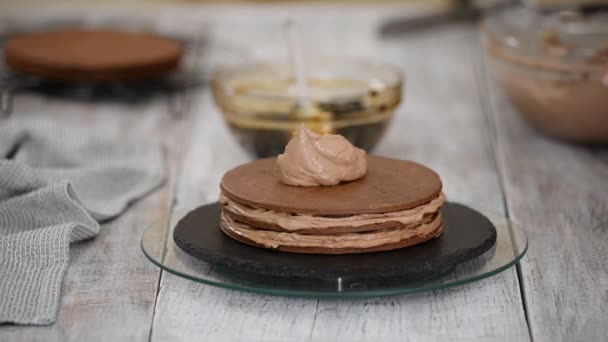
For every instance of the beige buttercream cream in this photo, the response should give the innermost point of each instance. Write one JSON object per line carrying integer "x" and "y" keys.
{"x": 311, "y": 159}
{"x": 273, "y": 239}
{"x": 291, "y": 222}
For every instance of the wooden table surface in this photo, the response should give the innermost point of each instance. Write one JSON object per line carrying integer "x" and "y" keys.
{"x": 453, "y": 119}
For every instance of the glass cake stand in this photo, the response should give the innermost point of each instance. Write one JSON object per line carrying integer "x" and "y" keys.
{"x": 158, "y": 246}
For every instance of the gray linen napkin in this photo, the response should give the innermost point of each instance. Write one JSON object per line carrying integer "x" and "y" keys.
{"x": 56, "y": 184}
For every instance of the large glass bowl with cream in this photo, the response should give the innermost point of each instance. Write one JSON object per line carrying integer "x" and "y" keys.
{"x": 262, "y": 106}
{"x": 554, "y": 69}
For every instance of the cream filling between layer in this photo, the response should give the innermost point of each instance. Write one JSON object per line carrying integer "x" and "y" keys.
{"x": 297, "y": 222}
{"x": 273, "y": 239}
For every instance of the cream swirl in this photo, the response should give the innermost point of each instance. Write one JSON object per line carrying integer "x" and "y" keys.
{"x": 311, "y": 159}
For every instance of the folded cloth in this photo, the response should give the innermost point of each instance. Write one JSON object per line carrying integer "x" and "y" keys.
{"x": 56, "y": 185}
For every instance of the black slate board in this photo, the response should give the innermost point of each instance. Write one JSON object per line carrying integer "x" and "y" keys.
{"x": 467, "y": 234}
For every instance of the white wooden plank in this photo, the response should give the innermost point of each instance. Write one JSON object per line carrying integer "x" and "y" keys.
{"x": 559, "y": 194}
{"x": 183, "y": 306}
{"x": 110, "y": 288}
{"x": 441, "y": 124}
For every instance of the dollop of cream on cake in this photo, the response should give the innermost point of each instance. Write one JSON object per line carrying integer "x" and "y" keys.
{"x": 311, "y": 159}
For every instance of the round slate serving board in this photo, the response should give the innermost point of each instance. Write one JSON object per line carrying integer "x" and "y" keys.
{"x": 467, "y": 234}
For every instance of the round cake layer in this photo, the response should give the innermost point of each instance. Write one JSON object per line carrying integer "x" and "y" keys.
{"x": 347, "y": 243}
{"x": 315, "y": 224}
{"x": 389, "y": 185}
{"x": 92, "y": 55}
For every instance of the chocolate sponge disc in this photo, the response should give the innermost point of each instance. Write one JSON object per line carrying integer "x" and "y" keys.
{"x": 92, "y": 55}
{"x": 389, "y": 185}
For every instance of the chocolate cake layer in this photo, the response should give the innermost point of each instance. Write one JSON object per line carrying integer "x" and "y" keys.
{"x": 389, "y": 185}
{"x": 92, "y": 55}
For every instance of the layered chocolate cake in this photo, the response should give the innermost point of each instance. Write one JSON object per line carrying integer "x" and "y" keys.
{"x": 325, "y": 196}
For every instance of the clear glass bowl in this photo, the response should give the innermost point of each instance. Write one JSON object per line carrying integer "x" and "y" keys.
{"x": 350, "y": 97}
{"x": 554, "y": 69}
{"x": 158, "y": 246}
